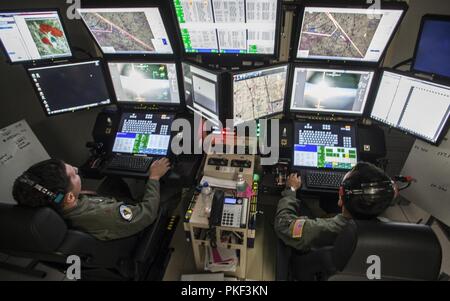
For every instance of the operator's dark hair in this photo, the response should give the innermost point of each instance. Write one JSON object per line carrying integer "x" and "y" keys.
{"x": 50, "y": 174}
{"x": 366, "y": 207}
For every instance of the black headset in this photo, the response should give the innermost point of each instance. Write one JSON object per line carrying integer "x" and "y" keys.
{"x": 369, "y": 194}
{"x": 56, "y": 198}
{"x": 369, "y": 189}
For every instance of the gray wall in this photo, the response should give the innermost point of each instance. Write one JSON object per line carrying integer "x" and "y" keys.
{"x": 63, "y": 136}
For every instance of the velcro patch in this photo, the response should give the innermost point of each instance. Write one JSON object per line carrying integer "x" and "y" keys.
{"x": 297, "y": 228}
{"x": 126, "y": 213}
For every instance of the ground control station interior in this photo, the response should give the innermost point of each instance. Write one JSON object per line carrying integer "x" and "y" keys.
{"x": 224, "y": 140}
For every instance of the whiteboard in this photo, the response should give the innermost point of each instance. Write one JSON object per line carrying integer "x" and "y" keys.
{"x": 19, "y": 149}
{"x": 430, "y": 165}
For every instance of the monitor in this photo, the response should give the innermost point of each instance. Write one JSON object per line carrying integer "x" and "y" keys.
{"x": 70, "y": 87}
{"x": 347, "y": 34}
{"x": 433, "y": 46}
{"x": 202, "y": 91}
{"x": 228, "y": 26}
{"x": 258, "y": 93}
{"x": 127, "y": 30}
{"x": 148, "y": 83}
{"x": 33, "y": 35}
{"x": 417, "y": 106}
{"x": 143, "y": 134}
{"x": 325, "y": 145}
{"x": 330, "y": 91}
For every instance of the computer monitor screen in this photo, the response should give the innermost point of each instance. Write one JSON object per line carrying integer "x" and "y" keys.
{"x": 201, "y": 91}
{"x": 330, "y": 91}
{"x": 417, "y": 106}
{"x": 433, "y": 47}
{"x": 30, "y": 36}
{"x": 325, "y": 145}
{"x": 143, "y": 134}
{"x": 151, "y": 83}
{"x": 70, "y": 87}
{"x": 127, "y": 30}
{"x": 351, "y": 34}
{"x": 228, "y": 26}
{"x": 258, "y": 94}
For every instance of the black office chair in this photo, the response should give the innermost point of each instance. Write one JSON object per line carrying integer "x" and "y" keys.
{"x": 406, "y": 251}
{"x": 292, "y": 265}
{"x": 41, "y": 234}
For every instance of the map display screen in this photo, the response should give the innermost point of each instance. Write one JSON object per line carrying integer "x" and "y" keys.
{"x": 258, "y": 94}
{"x": 33, "y": 36}
{"x": 127, "y": 30}
{"x": 346, "y": 33}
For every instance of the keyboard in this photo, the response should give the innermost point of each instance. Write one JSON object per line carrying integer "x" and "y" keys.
{"x": 324, "y": 179}
{"x": 130, "y": 163}
{"x": 318, "y": 138}
{"x": 139, "y": 126}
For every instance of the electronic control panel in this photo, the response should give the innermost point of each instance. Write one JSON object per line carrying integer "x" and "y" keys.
{"x": 228, "y": 167}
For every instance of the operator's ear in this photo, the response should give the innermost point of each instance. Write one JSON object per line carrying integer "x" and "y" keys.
{"x": 70, "y": 198}
{"x": 396, "y": 191}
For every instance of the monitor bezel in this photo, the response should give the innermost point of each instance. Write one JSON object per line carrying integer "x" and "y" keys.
{"x": 39, "y": 61}
{"x": 425, "y": 18}
{"x": 278, "y": 27}
{"x": 74, "y": 61}
{"x": 125, "y": 56}
{"x": 446, "y": 127}
{"x": 402, "y": 6}
{"x": 219, "y": 95}
{"x": 353, "y": 124}
{"x": 145, "y": 105}
{"x": 123, "y": 111}
{"x": 370, "y": 94}
{"x": 274, "y": 66}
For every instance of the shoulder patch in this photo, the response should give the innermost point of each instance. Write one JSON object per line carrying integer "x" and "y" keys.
{"x": 297, "y": 228}
{"x": 126, "y": 213}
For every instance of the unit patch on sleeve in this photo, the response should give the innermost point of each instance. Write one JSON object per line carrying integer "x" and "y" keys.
{"x": 126, "y": 213}
{"x": 297, "y": 228}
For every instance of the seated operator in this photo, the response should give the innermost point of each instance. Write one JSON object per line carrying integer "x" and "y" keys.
{"x": 302, "y": 233}
{"x": 57, "y": 184}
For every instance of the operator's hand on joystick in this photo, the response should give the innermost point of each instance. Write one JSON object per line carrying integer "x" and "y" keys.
{"x": 294, "y": 182}
{"x": 159, "y": 168}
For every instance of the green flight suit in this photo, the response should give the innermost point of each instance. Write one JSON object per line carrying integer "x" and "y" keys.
{"x": 302, "y": 233}
{"x": 108, "y": 219}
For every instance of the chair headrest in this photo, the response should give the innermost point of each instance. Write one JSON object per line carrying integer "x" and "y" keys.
{"x": 36, "y": 230}
{"x": 406, "y": 251}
